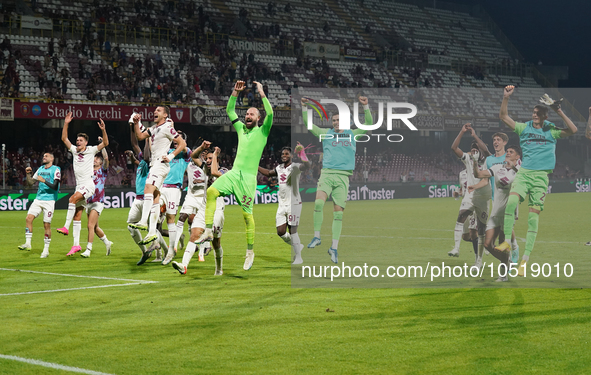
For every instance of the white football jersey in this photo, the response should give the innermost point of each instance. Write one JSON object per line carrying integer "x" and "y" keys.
{"x": 464, "y": 182}
{"x": 503, "y": 179}
{"x": 197, "y": 180}
{"x": 284, "y": 193}
{"x": 83, "y": 163}
{"x": 472, "y": 180}
{"x": 161, "y": 138}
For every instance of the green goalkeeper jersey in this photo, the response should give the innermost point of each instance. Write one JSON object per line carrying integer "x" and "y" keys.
{"x": 250, "y": 142}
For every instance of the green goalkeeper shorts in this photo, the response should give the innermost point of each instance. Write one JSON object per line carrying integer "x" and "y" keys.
{"x": 243, "y": 186}
{"x": 335, "y": 183}
{"x": 534, "y": 183}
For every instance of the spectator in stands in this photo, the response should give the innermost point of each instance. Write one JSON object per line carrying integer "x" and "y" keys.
{"x": 411, "y": 175}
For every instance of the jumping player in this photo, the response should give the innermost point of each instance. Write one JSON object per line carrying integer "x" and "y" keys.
{"x": 476, "y": 201}
{"x": 200, "y": 177}
{"x": 537, "y": 139}
{"x": 505, "y": 174}
{"x": 337, "y": 165}
{"x": 161, "y": 135}
{"x": 83, "y": 160}
{"x": 94, "y": 204}
{"x": 242, "y": 179}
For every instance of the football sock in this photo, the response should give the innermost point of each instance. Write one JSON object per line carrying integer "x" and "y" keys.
{"x": 153, "y": 213}
{"x": 189, "y": 252}
{"x": 510, "y": 214}
{"x": 480, "y": 246}
{"x": 458, "y": 231}
{"x": 172, "y": 235}
{"x": 147, "y": 208}
{"x": 337, "y": 227}
{"x": 212, "y": 196}
{"x": 318, "y": 216}
{"x": 28, "y": 237}
{"x": 475, "y": 245}
{"x": 180, "y": 225}
{"x": 532, "y": 232}
{"x": 104, "y": 239}
{"x": 76, "y": 232}
{"x": 249, "y": 221}
{"x": 47, "y": 241}
{"x": 70, "y": 215}
{"x": 286, "y": 238}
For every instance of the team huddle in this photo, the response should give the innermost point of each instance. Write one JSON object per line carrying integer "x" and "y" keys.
{"x": 506, "y": 176}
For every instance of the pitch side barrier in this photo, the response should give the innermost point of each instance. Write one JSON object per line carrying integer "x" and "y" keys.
{"x": 20, "y": 200}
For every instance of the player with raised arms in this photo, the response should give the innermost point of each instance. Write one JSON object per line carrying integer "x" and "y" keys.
{"x": 338, "y": 164}
{"x": 83, "y": 160}
{"x": 95, "y": 205}
{"x": 537, "y": 139}
{"x": 141, "y": 174}
{"x": 49, "y": 177}
{"x": 476, "y": 201}
{"x": 161, "y": 135}
{"x": 199, "y": 173}
{"x": 505, "y": 175}
{"x": 171, "y": 189}
{"x": 241, "y": 180}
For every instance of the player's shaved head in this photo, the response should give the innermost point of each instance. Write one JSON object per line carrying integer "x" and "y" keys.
{"x": 252, "y": 117}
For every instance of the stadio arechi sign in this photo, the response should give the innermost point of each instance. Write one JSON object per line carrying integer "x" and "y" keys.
{"x": 24, "y": 110}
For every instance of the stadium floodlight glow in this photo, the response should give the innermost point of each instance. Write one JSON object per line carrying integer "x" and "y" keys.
{"x": 345, "y": 115}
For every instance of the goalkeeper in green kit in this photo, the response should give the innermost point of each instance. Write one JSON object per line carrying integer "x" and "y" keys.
{"x": 338, "y": 163}
{"x": 241, "y": 180}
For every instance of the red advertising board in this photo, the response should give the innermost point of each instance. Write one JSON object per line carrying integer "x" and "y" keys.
{"x": 93, "y": 111}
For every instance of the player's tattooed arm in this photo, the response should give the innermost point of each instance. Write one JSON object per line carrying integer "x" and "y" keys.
{"x": 181, "y": 146}
{"x": 481, "y": 145}
{"x": 140, "y": 135}
{"x": 67, "y": 120}
{"x": 105, "y": 141}
{"x": 134, "y": 145}
{"x": 588, "y": 130}
{"x": 29, "y": 177}
{"x": 105, "y": 156}
{"x": 134, "y": 160}
{"x": 478, "y": 173}
{"x": 504, "y": 113}
{"x": 455, "y": 147}
{"x": 479, "y": 185}
{"x": 196, "y": 154}
{"x": 214, "y": 170}
{"x": 267, "y": 172}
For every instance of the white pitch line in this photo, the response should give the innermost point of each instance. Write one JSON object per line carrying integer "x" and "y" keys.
{"x": 52, "y": 365}
{"x": 84, "y": 276}
{"x": 85, "y": 287}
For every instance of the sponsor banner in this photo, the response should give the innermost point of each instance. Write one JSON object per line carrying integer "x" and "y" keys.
{"x": 29, "y": 22}
{"x": 428, "y": 122}
{"x": 123, "y": 198}
{"x": 452, "y": 123}
{"x": 6, "y": 110}
{"x": 93, "y": 112}
{"x": 440, "y": 60}
{"x": 242, "y": 45}
{"x": 380, "y": 191}
{"x": 360, "y": 53}
{"x": 330, "y": 51}
{"x": 218, "y": 116}
{"x": 114, "y": 198}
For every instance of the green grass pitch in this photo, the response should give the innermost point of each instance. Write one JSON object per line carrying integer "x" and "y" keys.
{"x": 255, "y": 322}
